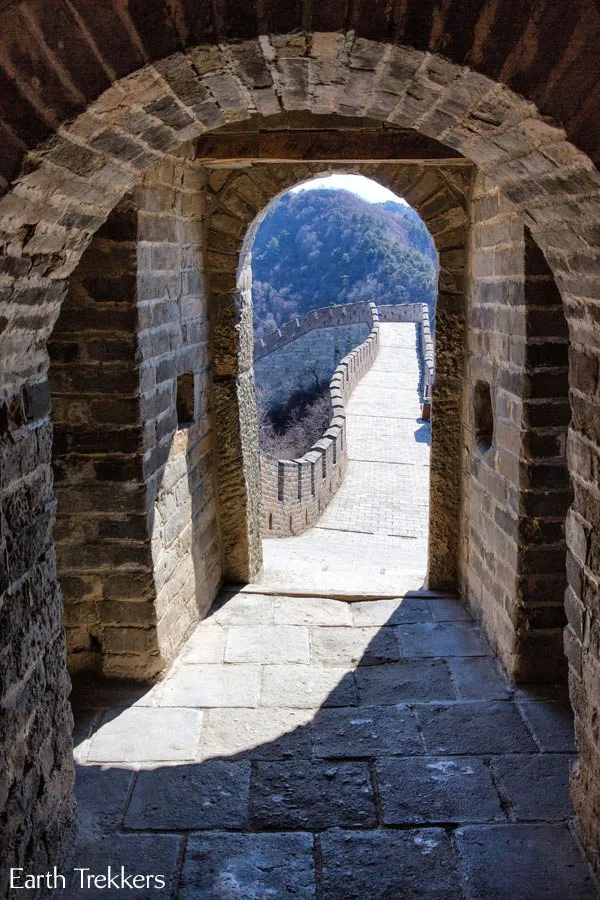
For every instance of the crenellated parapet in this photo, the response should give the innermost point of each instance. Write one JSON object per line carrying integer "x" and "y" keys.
{"x": 295, "y": 492}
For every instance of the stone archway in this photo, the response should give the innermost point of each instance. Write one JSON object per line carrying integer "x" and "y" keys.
{"x": 238, "y": 199}
{"x": 127, "y": 114}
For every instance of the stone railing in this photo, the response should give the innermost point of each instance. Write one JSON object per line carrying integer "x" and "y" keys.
{"x": 295, "y": 492}
{"x": 419, "y": 313}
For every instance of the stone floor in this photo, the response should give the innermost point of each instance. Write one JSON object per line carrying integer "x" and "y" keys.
{"x": 372, "y": 538}
{"x": 321, "y": 750}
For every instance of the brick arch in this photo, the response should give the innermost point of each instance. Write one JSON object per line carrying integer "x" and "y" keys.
{"x": 239, "y": 199}
{"x": 87, "y": 108}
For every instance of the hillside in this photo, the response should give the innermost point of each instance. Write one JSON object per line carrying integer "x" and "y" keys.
{"x": 316, "y": 248}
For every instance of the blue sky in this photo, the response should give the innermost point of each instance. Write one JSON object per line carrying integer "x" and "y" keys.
{"x": 358, "y": 184}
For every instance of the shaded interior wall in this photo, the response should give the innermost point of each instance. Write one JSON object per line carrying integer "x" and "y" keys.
{"x": 104, "y": 559}
{"x": 36, "y": 774}
{"x": 137, "y": 533}
{"x": 178, "y": 458}
{"x": 516, "y": 487}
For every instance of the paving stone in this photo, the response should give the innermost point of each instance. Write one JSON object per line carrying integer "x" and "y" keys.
{"x": 212, "y": 794}
{"x": 140, "y": 734}
{"x": 257, "y": 733}
{"x": 212, "y": 685}
{"x": 478, "y": 727}
{"x": 479, "y": 678}
{"x": 390, "y": 865}
{"x": 101, "y": 795}
{"x": 403, "y": 681}
{"x": 205, "y": 645}
{"x": 307, "y": 687}
{"x": 552, "y": 725}
{"x": 523, "y": 862}
{"x": 437, "y": 789}
{"x": 267, "y": 644}
{"x": 537, "y": 786}
{"x": 242, "y": 609}
{"x": 454, "y": 639}
{"x": 311, "y": 795}
{"x": 354, "y": 647}
{"x": 224, "y": 866}
{"x": 86, "y": 721}
{"x": 391, "y": 612}
{"x": 139, "y": 854}
{"x": 449, "y": 609}
{"x": 368, "y": 731}
{"x": 311, "y": 611}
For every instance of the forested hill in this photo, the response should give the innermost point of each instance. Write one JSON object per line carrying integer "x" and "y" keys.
{"x": 316, "y": 248}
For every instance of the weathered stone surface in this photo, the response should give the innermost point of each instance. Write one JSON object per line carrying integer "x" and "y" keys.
{"x": 211, "y": 795}
{"x": 381, "y": 864}
{"x": 437, "y": 789}
{"x": 212, "y": 685}
{"x": 308, "y": 611}
{"x": 548, "y": 863}
{"x": 477, "y": 727}
{"x": 248, "y": 865}
{"x": 273, "y": 644}
{"x": 146, "y": 733}
{"x": 536, "y": 787}
{"x": 139, "y": 854}
{"x": 551, "y": 724}
{"x": 311, "y": 795}
{"x": 479, "y": 678}
{"x": 442, "y": 640}
{"x": 368, "y": 732}
{"x": 391, "y": 612}
{"x": 358, "y": 647}
{"x": 404, "y": 681}
{"x": 257, "y": 733}
{"x": 306, "y": 687}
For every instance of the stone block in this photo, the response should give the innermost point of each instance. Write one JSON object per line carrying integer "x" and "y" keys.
{"x": 437, "y": 789}
{"x": 366, "y": 732}
{"x": 356, "y": 647}
{"x": 248, "y": 865}
{"x": 206, "y": 795}
{"x": 212, "y": 685}
{"x": 478, "y": 727}
{"x": 272, "y": 644}
{"x": 536, "y": 786}
{"x": 312, "y": 795}
{"x": 409, "y": 680}
{"x": 257, "y": 733}
{"x": 307, "y": 687}
{"x": 522, "y": 862}
{"x": 452, "y": 639}
{"x": 140, "y": 734}
{"x": 387, "y": 863}
{"x": 551, "y": 725}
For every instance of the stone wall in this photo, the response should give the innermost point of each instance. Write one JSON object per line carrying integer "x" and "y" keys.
{"x": 137, "y": 536}
{"x": 302, "y": 363}
{"x": 295, "y": 492}
{"x": 516, "y": 490}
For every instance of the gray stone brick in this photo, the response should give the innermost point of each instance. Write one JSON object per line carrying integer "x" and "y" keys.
{"x": 437, "y": 789}
{"x": 354, "y": 647}
{"x": 404, "y": 681}
{"x": 477, "y": 727}
{"x": 368, "y": 731}
{"x": 311, "y": 795}
{"x": 208, "y": 795}
{"x": 248, "y": 865}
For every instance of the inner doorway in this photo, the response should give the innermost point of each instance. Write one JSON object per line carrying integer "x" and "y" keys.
{"x": 347, "y": 512}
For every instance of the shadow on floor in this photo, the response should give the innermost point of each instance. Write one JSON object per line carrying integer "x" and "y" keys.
{"x": 328, "y": 751}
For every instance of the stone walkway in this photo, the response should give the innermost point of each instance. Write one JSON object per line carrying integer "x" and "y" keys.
{"x": 320, "y": 750}
{"x": 372, "y": 538}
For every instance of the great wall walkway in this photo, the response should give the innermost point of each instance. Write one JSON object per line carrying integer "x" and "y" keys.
{"x": 318, "y": 749}
{"x": 372, "y": 538}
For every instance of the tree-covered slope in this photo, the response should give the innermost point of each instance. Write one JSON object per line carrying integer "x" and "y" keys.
{"x": 317, "y": 248}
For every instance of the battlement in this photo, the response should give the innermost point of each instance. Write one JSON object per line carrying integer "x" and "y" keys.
{"x": 295, "y": 492}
